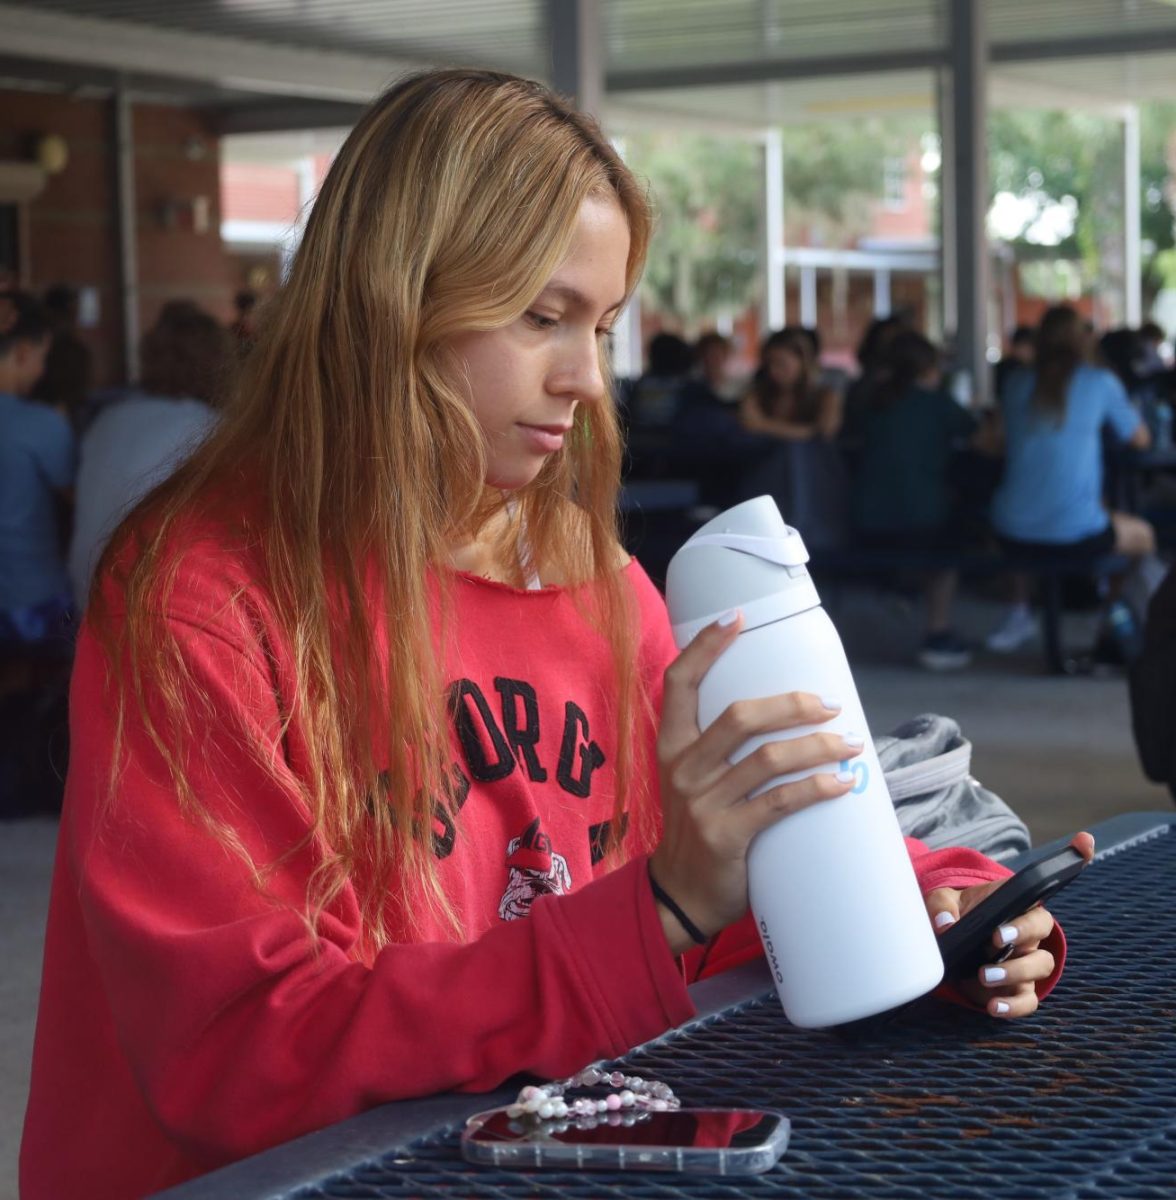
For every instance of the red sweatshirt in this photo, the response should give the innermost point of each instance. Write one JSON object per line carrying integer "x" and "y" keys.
{"x": 184, "y": 1020}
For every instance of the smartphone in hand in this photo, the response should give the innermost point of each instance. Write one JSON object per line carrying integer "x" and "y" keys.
{"x": 968, "y": 944}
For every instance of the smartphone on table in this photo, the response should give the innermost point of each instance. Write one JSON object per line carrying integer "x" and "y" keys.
{"x": 719, "y": 1141}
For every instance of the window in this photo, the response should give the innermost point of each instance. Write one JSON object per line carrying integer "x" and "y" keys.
{"x": 894, "y": 179}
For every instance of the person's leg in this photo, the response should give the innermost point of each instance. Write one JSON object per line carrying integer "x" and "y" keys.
{"x": 1134, "y": 536}
{"x": 940, "y": 589}
{"x": 1017, "y": 626}
{"x": 942, "y": 649}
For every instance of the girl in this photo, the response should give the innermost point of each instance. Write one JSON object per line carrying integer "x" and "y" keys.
{"x": 1049, "y": 503}
{"x": 368, "y": 716}
{"x": 785, "y": 400}
{"x": 910, "y": 428}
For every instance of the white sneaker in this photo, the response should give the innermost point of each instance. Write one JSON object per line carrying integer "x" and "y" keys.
{"x": 1014, "y": 631}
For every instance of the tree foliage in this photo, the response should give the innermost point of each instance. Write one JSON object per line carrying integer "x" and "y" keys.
{"x": 708, "y": 192}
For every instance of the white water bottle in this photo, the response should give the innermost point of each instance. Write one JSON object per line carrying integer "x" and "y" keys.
{"x": 834, "y": 894}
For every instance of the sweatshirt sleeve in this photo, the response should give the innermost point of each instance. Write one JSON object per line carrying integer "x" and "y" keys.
{"x": 951, "y": 868}
{"x": 237, "y": 1032}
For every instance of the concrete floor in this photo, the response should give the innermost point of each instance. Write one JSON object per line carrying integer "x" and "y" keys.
{"x": 1058, "y": 750}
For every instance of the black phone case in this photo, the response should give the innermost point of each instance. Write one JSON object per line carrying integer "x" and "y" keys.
{"x": 968, "y": 944}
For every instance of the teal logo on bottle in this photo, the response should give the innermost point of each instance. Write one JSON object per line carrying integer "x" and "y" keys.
{"x": 860, "y": 773}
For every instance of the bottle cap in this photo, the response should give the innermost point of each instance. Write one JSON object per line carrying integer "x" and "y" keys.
{"x": 745, "y": 558}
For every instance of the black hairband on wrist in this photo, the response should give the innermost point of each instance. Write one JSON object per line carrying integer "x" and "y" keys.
{"x": 687, "y": 924}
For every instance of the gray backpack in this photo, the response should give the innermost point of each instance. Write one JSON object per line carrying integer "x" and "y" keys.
{"x": 927, "y": 763}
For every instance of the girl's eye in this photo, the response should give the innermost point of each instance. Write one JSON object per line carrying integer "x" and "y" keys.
{"x": 609, "y": 335}
{"x": 541, "y": 322}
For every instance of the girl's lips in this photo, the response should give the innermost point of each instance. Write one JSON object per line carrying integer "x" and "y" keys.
{"x": 545, "y": 439}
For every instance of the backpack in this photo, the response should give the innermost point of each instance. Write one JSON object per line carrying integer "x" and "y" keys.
{"x": 927, "y": 763}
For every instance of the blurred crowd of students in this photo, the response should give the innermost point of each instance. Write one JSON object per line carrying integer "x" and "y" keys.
{"x": 888, "y": 459}
{"x": 893, "y": 460}
{"x": 73, "y": 460}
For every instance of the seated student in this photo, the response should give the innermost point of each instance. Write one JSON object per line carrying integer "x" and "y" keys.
{"x": 1022, "y": 347}
{"x": 871, "y": 358}
{"x": 65, "y": 380}
{"x": 379, "y": 736}
{"x": 910, "y": 429}
{"x": 1049, "y": 502}
{"x": 135, "y": 442}
{"x": 785, "y": 400}
{"x": 37, "y": 463}
{"x": 653, "y": 401}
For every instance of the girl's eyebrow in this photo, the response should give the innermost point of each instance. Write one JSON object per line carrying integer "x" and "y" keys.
{"x": 575, "y": 296}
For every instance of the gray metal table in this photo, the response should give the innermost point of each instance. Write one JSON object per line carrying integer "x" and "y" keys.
{"x": 1079, "y": 1101}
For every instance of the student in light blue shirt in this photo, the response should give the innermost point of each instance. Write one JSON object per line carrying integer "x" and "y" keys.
{"x": 37, "y": 463}
{"x": 1049, "y": 503}
{"x": 135, "y": 443}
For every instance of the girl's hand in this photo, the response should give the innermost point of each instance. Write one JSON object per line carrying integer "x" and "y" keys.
{"x": 708, "y": 821}
{"x": 1012, "y": 992}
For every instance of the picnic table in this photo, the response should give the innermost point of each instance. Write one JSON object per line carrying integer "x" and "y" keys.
{"x": 1078, "y": 1101}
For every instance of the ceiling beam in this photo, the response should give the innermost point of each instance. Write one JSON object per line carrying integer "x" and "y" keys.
{"x": 1148, "y": 41}
{"x": 236, "y": 64}
{"x": 762, "y": 70}
{"x": 286, "y": 116}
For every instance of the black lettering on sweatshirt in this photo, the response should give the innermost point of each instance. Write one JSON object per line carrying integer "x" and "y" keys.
{"x": 482, "y": 768}
{"x": 576, "y": 751}
{"x": 523, "y": 739}
{"x": 600, "y": 837}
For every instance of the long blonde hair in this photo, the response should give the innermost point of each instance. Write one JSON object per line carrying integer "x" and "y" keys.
{"x": 449, "y": 206}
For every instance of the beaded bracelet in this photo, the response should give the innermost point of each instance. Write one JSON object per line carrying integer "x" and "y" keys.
{"x": 548, "y": 1101}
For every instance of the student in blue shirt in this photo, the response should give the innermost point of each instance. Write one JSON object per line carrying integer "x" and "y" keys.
{"x": 1049, "y": 502}
{"x": 37, "y": 463}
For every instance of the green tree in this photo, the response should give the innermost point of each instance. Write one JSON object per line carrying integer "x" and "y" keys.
{"x": 708, "y": 193}
{"x": 1075, "y": 159}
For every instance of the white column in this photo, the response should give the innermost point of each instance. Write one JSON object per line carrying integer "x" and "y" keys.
{"x": 882, "y": 292}
{"x": 627, "y": 350}
{"x": 949, "y": 312}
{"x": 577, "y": 51}
{"x": 774, "y": 312}
{"x": 808, "y": 296}
{"x": 1132, "y": 233}
{"x": 968, "y": 163}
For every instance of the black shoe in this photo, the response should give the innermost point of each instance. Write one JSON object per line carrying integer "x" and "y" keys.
{"x": 944, "y": 651}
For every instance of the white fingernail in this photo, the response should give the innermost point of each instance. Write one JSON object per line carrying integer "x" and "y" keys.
{"x": 1008, "y": 934}
{"x": 845, "y": 777}
{"x": 944, "y": 919}
{"x": 994, "y": 974}
{"x": 853, "y": 739}
{"x": 1002, "y": 1007}
{"x": 729, "y": 617}
{"x": 832, "y": 703}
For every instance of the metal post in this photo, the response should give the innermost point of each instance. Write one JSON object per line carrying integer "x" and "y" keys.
{"x": 126, "y": 227}
{"x": 774, "y": 310}
{"x": 968, "y": 51}
{"x": 1132, "y": 234}
{"x": 577, "y": 53}
{"x": 882, "y": 292}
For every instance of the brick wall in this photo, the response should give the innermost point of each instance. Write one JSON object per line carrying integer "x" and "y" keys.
{"x": 72, "y": 222}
